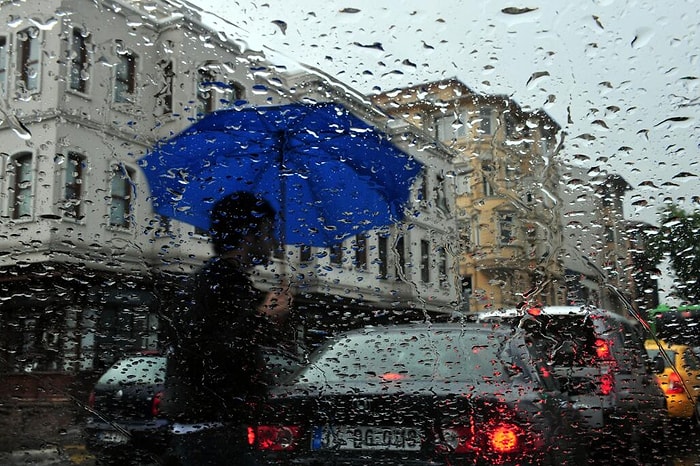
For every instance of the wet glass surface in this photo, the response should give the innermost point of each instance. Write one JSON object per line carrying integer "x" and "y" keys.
{"x": 422, "y": 163}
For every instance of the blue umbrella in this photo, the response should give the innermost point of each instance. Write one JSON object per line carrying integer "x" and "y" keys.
{"x": 328, "y": 173}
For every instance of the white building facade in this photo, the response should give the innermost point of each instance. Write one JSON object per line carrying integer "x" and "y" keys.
{"x": 87, "y": 87}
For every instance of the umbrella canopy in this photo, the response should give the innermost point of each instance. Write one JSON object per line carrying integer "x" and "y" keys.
{"x": 327, "y": 172}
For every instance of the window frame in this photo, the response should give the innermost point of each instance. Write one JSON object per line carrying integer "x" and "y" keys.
{"x": 400, "y": 263}
{"x": 425, "y": 261}
{"x": 4, "y": 56}
{"x": 486, "y": 123}
{"x": 506, "y": 236}
{"x": 383, "y": 256}
{"x": 29, "y": 59}
{"x": 164, "y": 97}
{"x": 17, "y": 203}
{"x": 124, "y": 175}
{"x": 445, "y": 131}
{"x": 125, "y": 78}
{"x": 74, "y": 186}
{"x": 79, "y": 61}
{"x": 360, "y": 248}
{"x": 210, "y": 85}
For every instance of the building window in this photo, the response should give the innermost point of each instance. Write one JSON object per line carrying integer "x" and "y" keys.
{"x": 29, "y": 64}
{"x": 23, "y": 186}
{"x": 3, "y": 64}
{"x": 79, "y": 61}
{"x": 164, "y": 97}
{"x": 125, "y": 78}
{"x": 441, "y": 192}
{"x": 487, "y": 174}
{"x": 506, "y": 233}
{"x": 451, "y": 127}
{"x": 206, "y": 93}
{"x": 121, "y": 192}
{"x": 360, "y": 246}
{"x": 400, "y": 258}
{"x": 488, "y": 188}
{"x": 425, "y": 261}
{"x": 467, "y": 287}
{"x": 423, "y": 189}
{"x": 233, "y": 93}
{"x": 442, "y": 267}
{"x": 73, "y": 192}
{"x": 485, "y": 124}
{"x": 305, "y": 254}
{"x": 336, "y": 254}
{"x": 383, "y": 256}
{"x": 215, "y": 92}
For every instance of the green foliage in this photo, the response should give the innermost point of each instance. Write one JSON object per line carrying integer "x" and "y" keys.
{"x": 678, "y": 238}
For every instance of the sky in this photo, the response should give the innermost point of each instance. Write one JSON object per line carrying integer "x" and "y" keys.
{"x": 620, "y": 77}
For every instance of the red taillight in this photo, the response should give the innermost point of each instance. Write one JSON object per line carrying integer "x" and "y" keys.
{"x": 504, "y": 438}
{"x": 602, "y": 349}
{"x": 91, "y": 400}
{"x": 274, "y": 438}
{"x": 675, "y": 385}
{"x": 607, "y": 384}
{"x": 493, "y": 441}
{"x": 155, "y": 404}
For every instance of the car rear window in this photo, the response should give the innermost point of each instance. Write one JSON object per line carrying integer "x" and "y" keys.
{"x": 448, "y": 355}
{"x": 135, "y": 370}
{"x": 565, "y": 340}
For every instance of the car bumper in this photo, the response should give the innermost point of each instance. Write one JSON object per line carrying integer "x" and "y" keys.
{"x": 116, "y": 439}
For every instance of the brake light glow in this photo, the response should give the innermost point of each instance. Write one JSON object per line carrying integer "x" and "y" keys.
{"x": 392, "y": 377}
{"x": 602, "y": 349}
{"x": 607, "y": 384}
{"x": 91, "y": 399}
{"x": 155, "y": 404}
{"x": 274, "y": 438}
{"x": 492, "y": 442}
{"x": 675, "y": 385}
{"x": 504, "y": 438}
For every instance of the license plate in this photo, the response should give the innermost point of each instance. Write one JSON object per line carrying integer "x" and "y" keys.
{"x": 113, "y": 437}
{"x": 365, "y": 438}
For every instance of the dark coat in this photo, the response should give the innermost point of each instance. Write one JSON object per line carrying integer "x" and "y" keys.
{"x": 216, "y": 365}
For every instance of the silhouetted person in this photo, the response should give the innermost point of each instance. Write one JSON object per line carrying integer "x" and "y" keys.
{"x": 216, "y": 369}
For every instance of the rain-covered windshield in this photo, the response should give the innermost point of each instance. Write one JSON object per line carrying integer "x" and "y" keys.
{"x": 206, "y": 180}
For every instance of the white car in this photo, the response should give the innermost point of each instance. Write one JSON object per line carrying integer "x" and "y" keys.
{"x": 599, "y": 358}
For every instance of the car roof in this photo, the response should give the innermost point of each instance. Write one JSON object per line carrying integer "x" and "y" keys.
{"x": 427, "y": 327}
{"x": 555, "y": 311}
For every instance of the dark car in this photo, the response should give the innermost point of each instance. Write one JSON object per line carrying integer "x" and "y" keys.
{"x": 125, "y": 425}
{"x": 419, "y": 395}
{"x": 599, "y": 358}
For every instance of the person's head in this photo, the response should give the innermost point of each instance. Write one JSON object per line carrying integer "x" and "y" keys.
{"x": 243, "y": 223}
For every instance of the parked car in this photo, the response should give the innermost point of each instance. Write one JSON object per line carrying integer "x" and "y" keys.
{"x": 599, "y": 358}
{"x": 125, "y": 425}
{"x": 682, "y": 385}
{"x": 418, "y": 395}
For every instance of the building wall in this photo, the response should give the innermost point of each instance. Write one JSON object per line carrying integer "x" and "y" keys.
{"x": 507, "y": 199}
{"x": 76, "y": 291}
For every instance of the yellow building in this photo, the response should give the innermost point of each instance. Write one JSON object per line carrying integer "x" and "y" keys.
{"x": 507, "y": 184}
